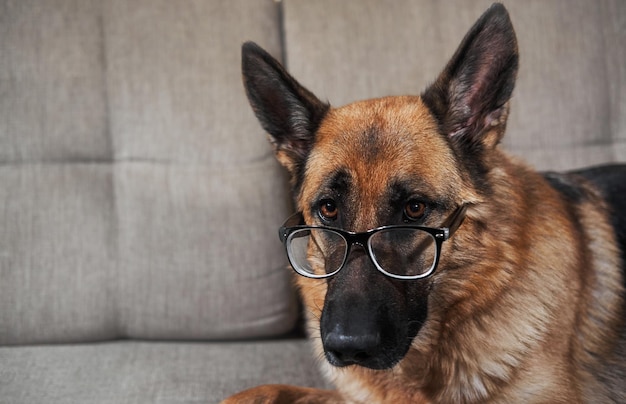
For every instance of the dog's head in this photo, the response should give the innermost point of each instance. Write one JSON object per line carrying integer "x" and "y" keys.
{"x": 411, "y": 160}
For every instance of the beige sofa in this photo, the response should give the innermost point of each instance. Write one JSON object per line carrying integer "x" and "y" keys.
{"x": 140, "y": 201}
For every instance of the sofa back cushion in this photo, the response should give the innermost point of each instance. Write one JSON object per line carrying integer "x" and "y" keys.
{"x": 139, "y": 197}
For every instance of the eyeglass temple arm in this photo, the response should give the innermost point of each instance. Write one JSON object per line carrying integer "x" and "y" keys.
{"x": 455, "y": 220}
{"x": 294, "y": 220}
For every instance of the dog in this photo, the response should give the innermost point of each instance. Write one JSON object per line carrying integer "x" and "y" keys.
{"x": 434, "y": 267}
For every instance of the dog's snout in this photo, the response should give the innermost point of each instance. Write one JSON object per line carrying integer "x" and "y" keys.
{"x": 343, "y": 349}
{"x": 364, "y": 319}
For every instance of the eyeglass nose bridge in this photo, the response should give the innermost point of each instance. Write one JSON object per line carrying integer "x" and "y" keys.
{"x": 361, "y": 240}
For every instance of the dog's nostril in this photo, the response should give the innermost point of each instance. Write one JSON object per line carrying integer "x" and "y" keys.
{"x": 344, "y": 350}
{"x": 339, "y": 358}
{"x": 361, "y": 356}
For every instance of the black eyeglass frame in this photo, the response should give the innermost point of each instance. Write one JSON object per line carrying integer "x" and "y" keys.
{"x": 440, "y": 234}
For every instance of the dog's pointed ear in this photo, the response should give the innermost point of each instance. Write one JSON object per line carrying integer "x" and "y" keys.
{"x": 470, "y": 97}
{"x": 288, "y": 112}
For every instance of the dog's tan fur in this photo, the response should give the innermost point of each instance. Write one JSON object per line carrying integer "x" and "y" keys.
{"x": 527, "y": 302}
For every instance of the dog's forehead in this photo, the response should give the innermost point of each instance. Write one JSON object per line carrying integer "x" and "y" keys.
{"x": 379, "y": 141}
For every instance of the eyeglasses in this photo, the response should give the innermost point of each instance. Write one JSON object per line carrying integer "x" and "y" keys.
{"x": 399, "y": 251}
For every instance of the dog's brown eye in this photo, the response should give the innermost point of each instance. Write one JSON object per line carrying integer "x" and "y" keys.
{"x": 415, "y": 210}
{"x": 328, "y": 209}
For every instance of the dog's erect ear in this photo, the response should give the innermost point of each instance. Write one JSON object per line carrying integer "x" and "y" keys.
{"x": 470, "y": 97}
{"x": 288, "y": 112}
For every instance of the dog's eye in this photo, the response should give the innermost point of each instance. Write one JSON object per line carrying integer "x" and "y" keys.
{"x": 415, "y": 210}
{"x": 328, "y": 209}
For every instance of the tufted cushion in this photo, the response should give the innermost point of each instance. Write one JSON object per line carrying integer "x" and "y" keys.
{"x": 139, "y": 197}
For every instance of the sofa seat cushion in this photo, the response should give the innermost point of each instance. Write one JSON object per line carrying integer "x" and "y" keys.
{"x": 144, "y": 372}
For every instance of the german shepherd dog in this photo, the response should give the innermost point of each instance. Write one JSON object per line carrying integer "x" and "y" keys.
{"x": 435, "y": 268}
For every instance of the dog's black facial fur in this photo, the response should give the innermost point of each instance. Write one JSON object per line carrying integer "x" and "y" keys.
{"x": 369, "y": 319}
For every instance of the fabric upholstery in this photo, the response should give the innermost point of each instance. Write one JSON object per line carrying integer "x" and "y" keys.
{"x": 155, "y": 373}
{"x": 569, "y": 105}
{"x": 53, "y": 103}
{"x": 56, "y": 251}
{"x": 139, "y": 195}
{"x": 139, "y": 198}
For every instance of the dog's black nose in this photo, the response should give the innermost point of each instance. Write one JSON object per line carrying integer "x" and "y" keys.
{"x": 343, "y": 349}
